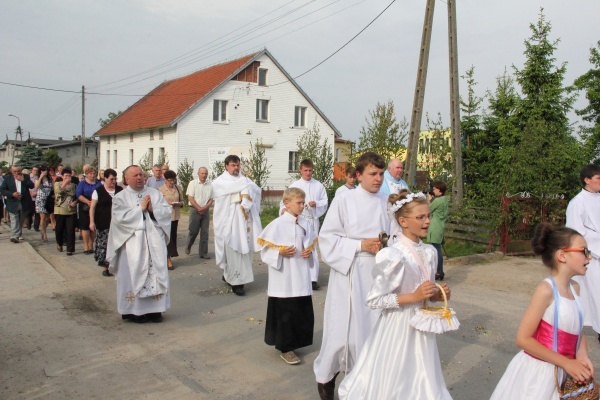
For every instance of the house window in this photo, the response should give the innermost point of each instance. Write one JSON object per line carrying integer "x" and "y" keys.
{"x": 220, "y": 111}
{"x": 130, "y": 156}
{"x": 262, "y": 110}
{"x": 115, "y": 139}
{"x": 161, "y": 153}
{"x": 107, "y": 158}
{"x": 151, "y": 156}
{"x": 338, "y": 153}
{"x": 151, "y": 134}
{"x": 131, "y": 137}
{"x": 421, "y": 146}
{"x": 262, "y": 76}
{"x": 160, "y": 133}
{"x": 108, "y": 140}
{"x": 300, "y": 117}
{"x": 115, "y": 159}
{"x": 293, "y": 161}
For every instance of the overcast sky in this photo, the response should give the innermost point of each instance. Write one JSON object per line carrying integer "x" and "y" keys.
{"x": 64, "y": 44}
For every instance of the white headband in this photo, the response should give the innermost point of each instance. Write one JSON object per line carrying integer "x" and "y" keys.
{"x": 410, "y": 197}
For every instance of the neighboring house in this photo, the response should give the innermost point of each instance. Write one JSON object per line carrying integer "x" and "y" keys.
{"x": 68, "y": 150}
{"x": 220, "y": 110}
{"x": 342, "y": 150}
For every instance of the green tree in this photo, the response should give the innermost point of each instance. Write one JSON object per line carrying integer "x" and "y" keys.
{"x": 163, "y": 159}
{"x": 185, "y": 174}
{"x": 111, "y": 116}
{"x": 51, "y": 158}
{"x": 256, "y": 165}
{"x": 590, "y": 84}
{"x": 4, "y": 166}
{"x": 437, "y": 157}
{"x": 311, "y": 145}
{"x": 145, "y": 162}
{"x": 382, "y": 133}
{"x": 30, "y": 155}
{"x": 216, "y": 169}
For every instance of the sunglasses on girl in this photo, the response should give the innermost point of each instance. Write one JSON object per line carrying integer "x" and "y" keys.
{"x": 586, "y": 252}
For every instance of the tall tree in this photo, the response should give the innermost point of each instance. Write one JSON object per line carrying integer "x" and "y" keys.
{"x": 257, "y": 167}
{"x": 185, "y": 174}
{"x": 590, "y": 84}
{"x": 111, "y": 116}
{"x": 51, "y": 158}
{"x": 382, "y": 133}
{"x": 312, "y": 146}
{"x": 30, "y": 156}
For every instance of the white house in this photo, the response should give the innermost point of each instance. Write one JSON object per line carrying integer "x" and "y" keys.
{"x": 218, "y": 111}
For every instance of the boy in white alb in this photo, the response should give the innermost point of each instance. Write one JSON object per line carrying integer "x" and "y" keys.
{"x": 287, "y": 246}
{"x": 350, "y": 184}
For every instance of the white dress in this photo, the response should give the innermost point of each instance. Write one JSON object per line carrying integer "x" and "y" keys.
{"x": 527, "y": 378}
{"x": 397, "y": 361}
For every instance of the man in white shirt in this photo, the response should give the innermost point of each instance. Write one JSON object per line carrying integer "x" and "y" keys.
{"x": 315, "y": 206}
{"x": 392, "y": 178}
{"x": 199, "y": 193}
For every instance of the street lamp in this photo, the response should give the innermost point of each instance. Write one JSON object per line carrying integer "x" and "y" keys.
{"x": 18, "y": 132}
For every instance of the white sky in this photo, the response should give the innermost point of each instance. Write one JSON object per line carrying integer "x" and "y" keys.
{"x": 64, "y": 44}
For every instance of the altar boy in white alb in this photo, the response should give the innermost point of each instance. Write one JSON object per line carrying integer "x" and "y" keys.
{"x": 349, "y": 240}
{"x": 137, "y": 249}
{"x": 315, "y": 208}
{"x": 583, "y": 215}
{"x": 288, "y": 243}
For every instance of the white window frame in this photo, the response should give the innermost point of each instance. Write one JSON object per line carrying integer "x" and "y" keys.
{"x": 161, "y": 153}
{"x": 131, "y": 137}
{"x": 161, "y": 133}
{"x": 107, "y": 158}
{"x": 260, "y": 111}
{"x": 115, "y": 159}
{"x": 293, "y": 159}
{"x": 151, "y": 155}
{"x": 115, "y": 139}
{"x": 265, "y": 71}
{"x": 300, "y": 117}
{"x": 220, "y": 111}
{"x": 131, "y": 162}
{"x": 151, "y": 134}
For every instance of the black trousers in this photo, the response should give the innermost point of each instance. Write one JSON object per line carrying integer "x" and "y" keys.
{"x": 65, "y": 227}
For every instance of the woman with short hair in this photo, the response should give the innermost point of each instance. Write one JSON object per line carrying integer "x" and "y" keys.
{"x": 85, "y": 188}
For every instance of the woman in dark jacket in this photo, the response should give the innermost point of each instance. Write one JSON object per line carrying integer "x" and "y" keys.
{"x": 100, "y": 216}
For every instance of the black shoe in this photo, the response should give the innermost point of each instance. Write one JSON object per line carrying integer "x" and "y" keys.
{"x": 154, "y": 317}
{"x": 106, "y": 273}
{"x": 316, "y": 286}
{"x": 440, "y": 277}
{"x": 238, "y": 290}
{"x": 126, "y": 316}
{"x": 14, "y": 240}
{"x": 327, "y": 390}
{"x": 139, "y": 319}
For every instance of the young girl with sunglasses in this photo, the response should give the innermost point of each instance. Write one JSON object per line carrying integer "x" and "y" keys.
{"x": 530, "y": 375}
{"x": 399, "y": 361}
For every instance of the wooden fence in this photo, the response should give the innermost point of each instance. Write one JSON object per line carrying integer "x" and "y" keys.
{"x": 473, "y": 225}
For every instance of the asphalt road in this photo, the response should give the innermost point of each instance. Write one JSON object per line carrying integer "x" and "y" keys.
{"x": 62, "y": 338}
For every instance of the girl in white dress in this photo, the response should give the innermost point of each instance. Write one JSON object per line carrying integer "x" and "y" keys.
{"x": 398, "y": 361}
{"x": 530, "y": 374}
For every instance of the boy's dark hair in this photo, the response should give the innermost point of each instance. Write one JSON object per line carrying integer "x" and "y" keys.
{"x": 231, "y": 158}
{"x": 588, "y": 171}
{"x": 440, "y": 185}
{"x": 67, "y": 170}
{"x": 350, "y": 170}
{"x": 367, "y": 158}
{"x": 307, "y": 162}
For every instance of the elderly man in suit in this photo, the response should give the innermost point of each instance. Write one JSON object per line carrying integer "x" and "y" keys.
{"x": 15, "y": 188}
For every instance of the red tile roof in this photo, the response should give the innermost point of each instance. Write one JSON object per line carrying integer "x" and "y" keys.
{"x": 171, "y": 99}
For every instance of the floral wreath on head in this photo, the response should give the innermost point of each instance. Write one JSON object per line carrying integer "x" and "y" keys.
{"x": 398, "y": 205}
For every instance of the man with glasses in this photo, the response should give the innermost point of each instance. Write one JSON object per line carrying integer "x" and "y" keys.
{"x": 583, "y": 215}
{"x": 15, "y": 188}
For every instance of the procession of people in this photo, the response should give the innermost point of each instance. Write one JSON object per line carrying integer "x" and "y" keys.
{"x": 381, "y": 242}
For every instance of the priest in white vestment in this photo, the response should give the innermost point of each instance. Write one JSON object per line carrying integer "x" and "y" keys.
{"x": 583, "y": 215}
{"x": 137, "y": 249}
{"x": 392, "y": 179}
{"x": 315, "y": 208}
{"x": 236, "y": 224}
{"x": 348, "y": 242}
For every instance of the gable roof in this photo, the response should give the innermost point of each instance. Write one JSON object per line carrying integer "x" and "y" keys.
{"x": 170, "y": 101}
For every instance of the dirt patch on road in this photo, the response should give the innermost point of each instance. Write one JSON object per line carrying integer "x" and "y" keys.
{"x": 87, "y": 309}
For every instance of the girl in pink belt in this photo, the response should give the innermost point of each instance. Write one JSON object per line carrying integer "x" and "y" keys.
{"x": 550, "y": 331}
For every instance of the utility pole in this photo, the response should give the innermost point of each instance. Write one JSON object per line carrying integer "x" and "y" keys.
{"x": 82, "y": 127}
{"x": 457, "y": 188}
{"x": 410, "y": 166}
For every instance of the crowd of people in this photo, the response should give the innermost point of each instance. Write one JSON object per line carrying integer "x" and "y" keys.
{"x": 383, "y": 245}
